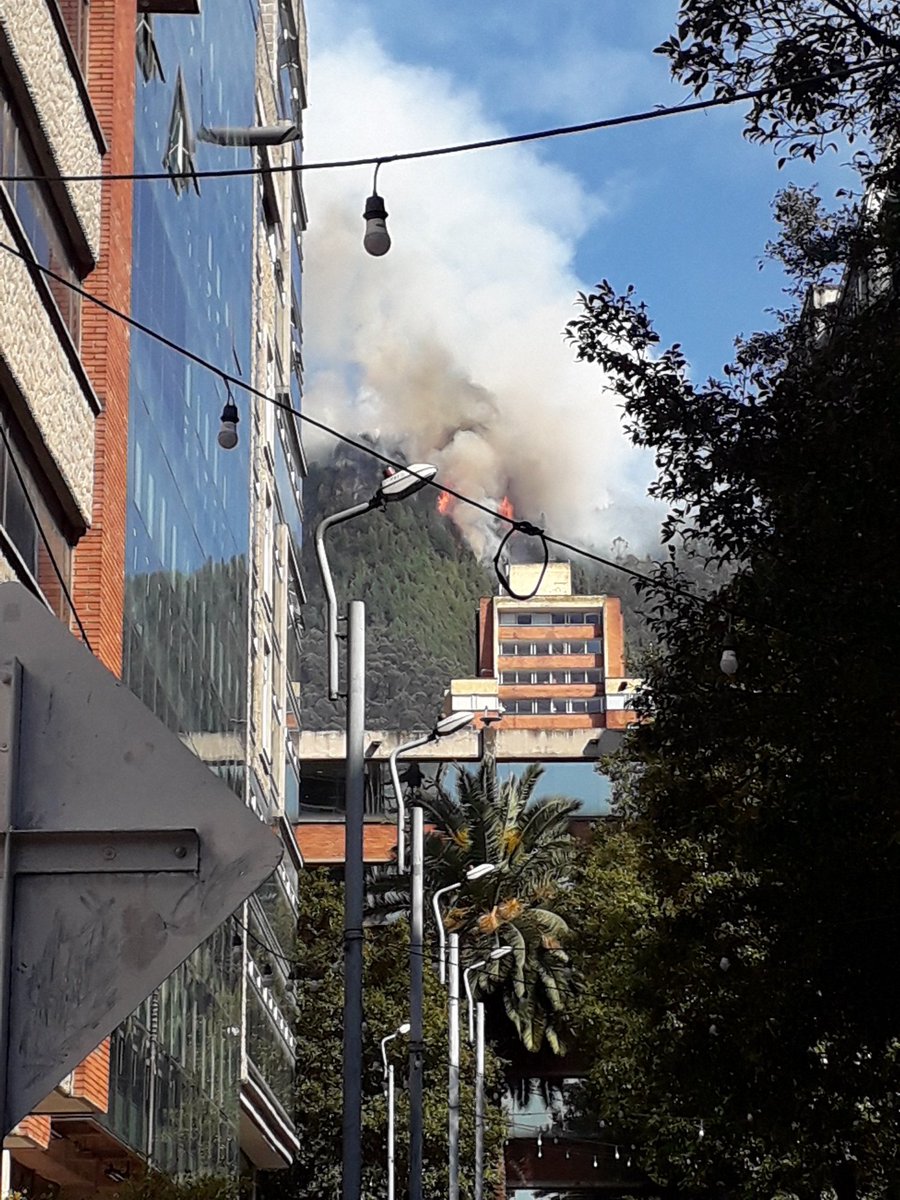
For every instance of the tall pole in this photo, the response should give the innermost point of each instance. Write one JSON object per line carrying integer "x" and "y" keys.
{"x": 416, "y": 985}
{"x": 390, "y": 1145}
{"x": 479, "y": 1102}
{"x": 354, "y": 801}
{"x": 453, "y": 1093}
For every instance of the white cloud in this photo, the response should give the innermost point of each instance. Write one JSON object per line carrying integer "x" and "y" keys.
{"x": 450, "y": 346}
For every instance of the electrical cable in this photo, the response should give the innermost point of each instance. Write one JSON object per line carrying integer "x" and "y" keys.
{"x": 31, "y": 508}
{"x": 636, "y": 118}
{"x": 227, "y": 378}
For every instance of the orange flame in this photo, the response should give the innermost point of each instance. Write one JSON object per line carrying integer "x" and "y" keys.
{"x": 444, "y": 503}
{"x": 506, "y": 508}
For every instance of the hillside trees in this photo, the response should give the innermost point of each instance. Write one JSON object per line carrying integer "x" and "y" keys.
{"x": 763, "y": 1037}
{"x": 421, "y": 586}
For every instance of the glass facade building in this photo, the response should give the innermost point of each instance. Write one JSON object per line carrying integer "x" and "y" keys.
{"x": 208, "y": 567}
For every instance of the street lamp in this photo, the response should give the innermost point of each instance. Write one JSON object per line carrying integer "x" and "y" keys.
{"x": 389, "y": 1077}
{"x": 278, "y": 134}
{"x": 396, "y": 486}
{"x": 473, "y": 873}
{"x": 477, "y": 872}
{"x": 495, "y": 954}
{"x": 499, "y": 952}
{"x": 444, "y": 727}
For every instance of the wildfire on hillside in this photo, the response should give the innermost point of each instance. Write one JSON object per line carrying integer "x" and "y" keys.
{"x": 505, "y": 507}
{"x": 444, "y": 503}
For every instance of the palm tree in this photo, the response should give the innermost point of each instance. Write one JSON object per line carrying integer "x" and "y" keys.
{"x": 528, "y": 841}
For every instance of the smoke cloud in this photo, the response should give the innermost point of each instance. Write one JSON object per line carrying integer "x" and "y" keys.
{"x": 450, "y": 347}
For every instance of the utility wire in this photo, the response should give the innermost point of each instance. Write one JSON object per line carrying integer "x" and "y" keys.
{"x": 13, "y": 458}
{"x": 636, "y": 118}
{"x": 516, "y": 524}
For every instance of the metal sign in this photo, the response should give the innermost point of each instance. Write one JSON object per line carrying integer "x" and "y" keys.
{"x": 121, "y": 852}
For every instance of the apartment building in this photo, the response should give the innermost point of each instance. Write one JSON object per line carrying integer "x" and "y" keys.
{"x": 552, "y": 662}
{"x": 186, "y": 576}
{"x": 66, "y": 108}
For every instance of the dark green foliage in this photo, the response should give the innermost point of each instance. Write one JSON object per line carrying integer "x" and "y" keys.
{"x": 743, "y": 1019}
{"x": 316, "y": 1172}
{"x": 196, "y": 1187}
{"x": 421, "y": 585}
{"x": 727, "y": 46}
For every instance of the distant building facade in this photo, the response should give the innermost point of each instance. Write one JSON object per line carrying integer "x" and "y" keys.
{"x": 553, "y": 662}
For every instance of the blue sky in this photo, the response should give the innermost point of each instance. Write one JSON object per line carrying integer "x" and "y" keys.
{"x": 459, "y": 325}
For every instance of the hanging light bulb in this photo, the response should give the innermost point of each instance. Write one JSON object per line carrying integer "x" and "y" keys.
{"x": 618, "y": 1155}
{"x": 728, "y": 663}
{"x": 596, "y": 1164}
{"x": 701, "y": 1132}
{"x": 377, "y": 240}
{"x": 228, "y": 435}
{"x": 540, "y": 1146}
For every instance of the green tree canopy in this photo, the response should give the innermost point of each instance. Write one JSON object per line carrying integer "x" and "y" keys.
{"x": 316, "y": 1172}
{"x": 727, "y": 46}
{"x": 762, "y": 1028}
{"x": 486, "y": 820}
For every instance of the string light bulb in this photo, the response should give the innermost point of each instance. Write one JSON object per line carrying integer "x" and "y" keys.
{"x": 701, "y": 1132}
{"x": 596, "y": 1164}
{"x": 377, "y": 240}
{"x": 728, "y": 663}
{"x": 618, "y": 1155}
{"x": 228, "y": 434}
{"x": 540, "y": 1146}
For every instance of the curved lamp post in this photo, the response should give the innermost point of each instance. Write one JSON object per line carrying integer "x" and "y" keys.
{"x": 393, "y": 487}
{"x": 389, "y": 1077}
{"x": 477, "y": 872}
{"x": 444, "y": 727}
{"x": 478, "y": 1035}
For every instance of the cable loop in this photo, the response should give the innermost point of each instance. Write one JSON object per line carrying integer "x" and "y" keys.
{"x": 529, "y": 530}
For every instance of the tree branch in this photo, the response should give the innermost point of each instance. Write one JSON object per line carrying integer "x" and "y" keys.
{"x": 850, "y": 10}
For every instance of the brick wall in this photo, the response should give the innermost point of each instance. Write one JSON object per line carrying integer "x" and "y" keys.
{"x": 100, "y": 556}
{"x": 99, "y": 570}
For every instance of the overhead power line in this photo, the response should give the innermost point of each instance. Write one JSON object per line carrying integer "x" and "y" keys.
{"x": 513, "y": 139}
{"x": 517, "y": 524}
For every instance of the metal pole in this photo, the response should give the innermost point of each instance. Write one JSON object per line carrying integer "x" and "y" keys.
{"x": 390, "y": 1146}
{"x": 354, "y": 798}
{"x": 10, "y": 687}
{"x": 416, "y": 984}
{"x": 331, "y": 635}
{"x": 401, "y": 812}
{"x": 479, "y": 1103}
{"x": 453, "y": 1095}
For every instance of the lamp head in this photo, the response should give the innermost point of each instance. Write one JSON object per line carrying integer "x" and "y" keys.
{"x": 500, "y": 952}
{"x": 404, "y": 1028}
{"x": 453, "y": 723}
{"x": 228, "y": 436}
{"x": 377, "y": 240}
{"x": 479, "y": 871}
{"x": 397, "y": 485}
{"x": 257, "y": 135}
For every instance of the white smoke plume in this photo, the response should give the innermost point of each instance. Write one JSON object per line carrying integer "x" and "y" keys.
{"x": 450, "y": 347}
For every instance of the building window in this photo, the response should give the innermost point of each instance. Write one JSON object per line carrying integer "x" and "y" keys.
{"x": 146, "y": 49}
{"x": 27, "y": 529}
{"x": 179, "y": 157}
{"x": 37, "y": 212}
{"x": 75, "y": 17}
